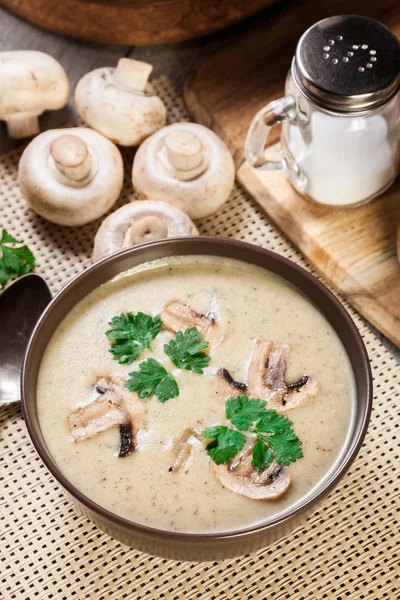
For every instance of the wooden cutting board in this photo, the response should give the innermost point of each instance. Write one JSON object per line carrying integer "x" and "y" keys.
{"x": 354, "y": 248}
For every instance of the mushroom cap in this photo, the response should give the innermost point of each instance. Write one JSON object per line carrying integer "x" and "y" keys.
{"x": 268, "y": 485}
{"x": 115, "y": 231}
{"x": 198, "y": 197}
{"x": 125, "y": 116}
{"x": 67, "y": 201}
{"x": 31, "y": 82}
{"x": 115, "y": 406}
{"x": 266, "y": 378}
{"x": 226, "y": 386}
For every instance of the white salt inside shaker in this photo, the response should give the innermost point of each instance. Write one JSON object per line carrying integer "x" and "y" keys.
{"x": 348, "y": 159}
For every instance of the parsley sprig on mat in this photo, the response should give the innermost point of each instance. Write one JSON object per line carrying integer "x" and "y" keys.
{"x": 273, "y": 432}
{"x": 186, "y": 351}
{"x": 14, "y": 258}
{"x": 131, "y": 334}
{"x": 152, "y": 379}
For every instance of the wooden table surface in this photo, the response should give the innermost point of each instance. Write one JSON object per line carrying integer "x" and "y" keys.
{"x": 78, "y": 57}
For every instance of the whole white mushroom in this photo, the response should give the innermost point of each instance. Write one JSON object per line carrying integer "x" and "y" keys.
{"x": 118, "y": 102}
{"x": 30, "y": 83}
{"x": 137, "y": 222}
{"x": 71, "y": 176}
{"x": 186, "y": 165}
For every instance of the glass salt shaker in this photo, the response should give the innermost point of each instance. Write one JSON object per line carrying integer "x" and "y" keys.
{"x": 340, "y": 114}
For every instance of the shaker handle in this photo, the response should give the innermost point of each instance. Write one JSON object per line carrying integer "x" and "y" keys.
{"x": 274, "y": 113}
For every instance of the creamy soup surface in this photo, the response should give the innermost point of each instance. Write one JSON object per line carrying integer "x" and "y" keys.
{"x": 251, "y": 303}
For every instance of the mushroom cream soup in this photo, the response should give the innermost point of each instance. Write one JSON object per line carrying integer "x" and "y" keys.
{"x": 145, "y": 459}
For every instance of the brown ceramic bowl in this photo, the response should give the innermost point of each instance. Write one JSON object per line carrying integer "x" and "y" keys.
{"x": 210, "y": 546}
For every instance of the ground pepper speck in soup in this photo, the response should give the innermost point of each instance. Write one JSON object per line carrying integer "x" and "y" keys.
{"x": 146, "y": 484}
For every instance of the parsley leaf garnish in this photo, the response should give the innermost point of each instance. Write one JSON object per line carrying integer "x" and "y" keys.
{"x": 152, "y": 379}
{"x": 275, "y": 432}
{"x": 185, "y": 351}
{"x": 130, "y": 334}
{"x": 276, "y": 439}
{"x": 225, "y": 444}
{"x": 15, "y": 260}
{"x": 262, "y": 456}
{"x": 243, "y": 411}
{"x": 285, "y": 445}
{"x": 270, "y": 422}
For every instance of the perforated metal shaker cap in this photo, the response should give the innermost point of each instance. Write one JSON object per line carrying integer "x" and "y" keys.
{"x": 348, "y": 63}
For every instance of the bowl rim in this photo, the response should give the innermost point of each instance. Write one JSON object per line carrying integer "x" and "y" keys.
{"x": 337, "y": 473}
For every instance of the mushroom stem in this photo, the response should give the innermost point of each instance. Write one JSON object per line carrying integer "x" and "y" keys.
{"x": 22, "y": 125}
{"x": 184, "y": 155}
{"x": 146, "y": 229}
{"x": 132, "y": 74}
{"x": 72, "y": 158}
{"x": 184, "y": 447}
{"x": 184, "y": 149}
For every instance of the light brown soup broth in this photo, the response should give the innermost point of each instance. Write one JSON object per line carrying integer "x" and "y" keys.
{"x": 253, "y": 303}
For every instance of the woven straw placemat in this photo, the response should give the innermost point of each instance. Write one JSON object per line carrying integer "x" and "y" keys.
{"x": 347, "y": 549}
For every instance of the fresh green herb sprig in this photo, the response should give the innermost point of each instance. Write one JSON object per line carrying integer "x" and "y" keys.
{"x": 152, "y": 379}
{"x": 243, "y": 411}
{"x": 226, "y": 443}
{"x": 131, "y": 334}
{"x": 186, "y": 351}
{"x": 14, "y": 258}
{"x": 275, "y": 438}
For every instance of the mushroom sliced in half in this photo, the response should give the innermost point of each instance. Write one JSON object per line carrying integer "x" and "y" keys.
{"x": 71, "y": 176}
{"x": 118, "y": 103}
{"x": 116, "y": 406}
{"x": 30, "y": 83}
{"x": 225, "y": 386}
{"x": 140, "y": 222}
{"x": 186, "y": 165}
{"x": 184, "y": 446}
{"x": 239, "y": 476}
{"x": 178, "y": 316}
{"x": 267, "y": 378}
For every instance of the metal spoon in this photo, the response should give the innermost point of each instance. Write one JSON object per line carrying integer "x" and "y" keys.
{"x": 21, "y": 305}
